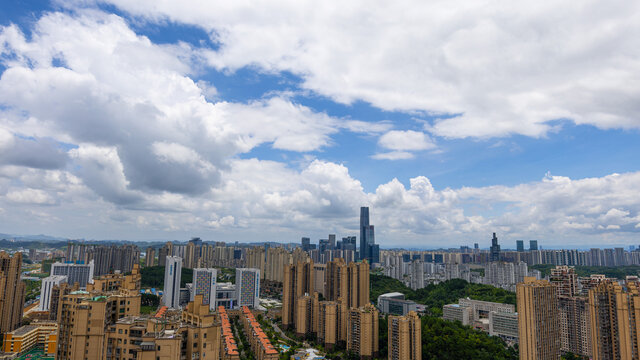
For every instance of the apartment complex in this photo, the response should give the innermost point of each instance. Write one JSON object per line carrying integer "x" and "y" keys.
{"x": 150, "y": 257}
{"x": 204, "y": 283}
{"x": 42, "y": 334}
{"x": 346, "y": 288}
{"x": 405, "y": 338}
{"x": 538, "y": 320}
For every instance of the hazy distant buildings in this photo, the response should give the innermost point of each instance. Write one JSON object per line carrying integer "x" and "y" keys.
{"x": 150, "y": 257}
{"x": 533, "y": 245}
{"x": 520, "y": 245}
{"x": 172, "y": 274}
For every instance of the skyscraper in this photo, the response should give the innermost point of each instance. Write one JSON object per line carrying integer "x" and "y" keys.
{"x": 405, "y": 337}
{"x": 533, "y": 245}
{"x": 495, "y": 249}
{"x": 172, "y": 274}
{"x": 368, "y": 249}
{"x": 538, "y": 320}
{"x": 204, "y": 283}
{"x": 520, "y": 245}
{"x": 12, "y": 292}
{"x": 306, "y": 244}
{"x": 247, "y": 287}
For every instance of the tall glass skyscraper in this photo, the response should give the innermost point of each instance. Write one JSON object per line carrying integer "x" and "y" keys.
{"x": 368, "y": 249}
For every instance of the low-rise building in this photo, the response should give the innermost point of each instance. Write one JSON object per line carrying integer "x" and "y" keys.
{"x": 457, "y": 312}
{"x": 395, "y": 304}
{"x": 23, "y": 339}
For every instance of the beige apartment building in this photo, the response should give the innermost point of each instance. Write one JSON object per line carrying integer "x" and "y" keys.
{"x": 362, "y": 334}
{"x": 12, "y": 292}
{"x": 405, "y": 337}
{"x": 538, "y": 320}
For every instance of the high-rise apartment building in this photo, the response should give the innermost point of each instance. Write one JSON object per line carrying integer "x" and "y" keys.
{"x": 417, "y": 274}
{"x": 256, "y": 259}
{"x": 12, "y": 292}
{"x": 172, "y": 274}
{"x": 362, "y": 334}
{"x": 575, "y": 331}
{"x": 150, "y": 257}
{"x": 277, "y": 258}
{"x": 405, "y": 337}
{"x": 110, "y": 259}
{"x": 565, "y": 280}
{"x": 46, "y": 289}
{"x": 538, "y": 320}
{"x": 248, "y": 287}
{"x": 614, "y": 312}
{"x": 75, "y": 273}
{"x": 204, "y": 283}
{"x": 494, "y": 252}
{"x": 165, "y": 250}
{"x": 298, "y": 281}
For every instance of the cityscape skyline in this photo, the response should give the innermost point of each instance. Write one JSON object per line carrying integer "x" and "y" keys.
{"x": 141, "y": 121}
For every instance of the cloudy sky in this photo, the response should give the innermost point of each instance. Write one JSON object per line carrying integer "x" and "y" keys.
{"x": 272, "y": 120}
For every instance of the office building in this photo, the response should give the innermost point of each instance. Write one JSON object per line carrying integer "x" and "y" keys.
{"x": 520, "y": 245}
{"x": 150, "y": 257}
{"x": 395, "y": 304}
{"x": 75, "y": 273}
{"x": 12, "y": 291}
{"x": 46, "y": 289}
{"x": 306, "y": 244}
{"x": 533, "y": 245}
{"x": 538, "y": 320}
{"x": 614, "y": 312}
{"x": 504, "y": 325}
{"x": 481, "y": 309}
{"x": 368, "y": 250}
{"x": 248, "y": 287}
{"x": 456, "y": 312}
{"x": 404, "y": 337}
{"x": 494, "y": 251}
{"x": 362, "y": 334}
{"x": 204, "y": 283}
{"x": 172, "y": 274}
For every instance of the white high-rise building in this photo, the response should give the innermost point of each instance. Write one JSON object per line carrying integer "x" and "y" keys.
{"x": 45, "y": 290}
{"x": 172, "y": 273}
{"x": 75, "y": 273}
{"x": 247, "y": 287}
{"x": 204, "y": 283}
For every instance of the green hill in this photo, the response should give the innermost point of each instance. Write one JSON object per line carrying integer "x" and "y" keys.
{"x": 436, "y": 296}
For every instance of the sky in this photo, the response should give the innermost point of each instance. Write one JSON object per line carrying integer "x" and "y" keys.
{"x": 273, "y": 120}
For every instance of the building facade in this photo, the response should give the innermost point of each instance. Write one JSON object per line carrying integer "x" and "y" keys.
{"x": 538, "y": 320}
{"x": 405, "y": 337}
{"x": 172, "y": 274}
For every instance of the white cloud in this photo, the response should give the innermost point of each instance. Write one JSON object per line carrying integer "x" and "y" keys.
{"x": 497, "y": 69}
{"x": 30, "y": 196}
{"x": 406, "y": 140}
{"x": 393, "y": 155}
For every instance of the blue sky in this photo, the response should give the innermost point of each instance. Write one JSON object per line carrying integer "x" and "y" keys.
{"x": 233, "y": 123}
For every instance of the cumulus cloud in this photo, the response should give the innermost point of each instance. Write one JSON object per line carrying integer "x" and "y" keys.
{"x": 485, "y": 69}
{"x": 154, "y": 152}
